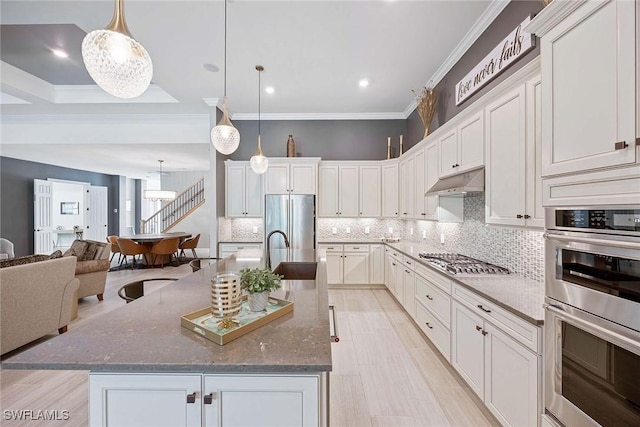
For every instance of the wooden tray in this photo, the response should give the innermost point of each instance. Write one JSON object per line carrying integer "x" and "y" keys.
{"x": 203, "y": 323}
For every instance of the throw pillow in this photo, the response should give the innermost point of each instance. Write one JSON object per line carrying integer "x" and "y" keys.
{"x": 77, "y": 249}
{"x": 90, "y": 252}
{"x": 56, "y": 254}
{"x": 22, "y": 260}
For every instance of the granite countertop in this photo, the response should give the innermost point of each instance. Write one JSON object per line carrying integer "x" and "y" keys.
{"x": 517, "y": 294}
{"x": 146, "y": 336}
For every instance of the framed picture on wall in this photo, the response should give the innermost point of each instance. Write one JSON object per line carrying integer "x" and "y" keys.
{"x": 69, "y": 208}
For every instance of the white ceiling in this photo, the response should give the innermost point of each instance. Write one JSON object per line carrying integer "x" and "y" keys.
{"x": 314, "y": 54}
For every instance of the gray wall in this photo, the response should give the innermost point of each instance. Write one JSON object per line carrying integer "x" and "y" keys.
{"x": 329, "y": 139}
{"x": 16, "y": 197}
{"x": 511, "y": 16}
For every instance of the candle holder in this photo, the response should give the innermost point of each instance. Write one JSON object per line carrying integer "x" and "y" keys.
{"x": 388, "y": 147}
{"x": 401, "y": 148}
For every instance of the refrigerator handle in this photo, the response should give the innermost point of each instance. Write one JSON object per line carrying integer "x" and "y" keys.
{"x": 290, "y": 225}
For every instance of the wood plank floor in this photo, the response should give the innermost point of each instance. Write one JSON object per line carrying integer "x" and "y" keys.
{"x": 385, "y": 372}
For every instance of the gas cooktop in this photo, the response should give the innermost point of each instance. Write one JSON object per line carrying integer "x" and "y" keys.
{"x": 461, "y": 264}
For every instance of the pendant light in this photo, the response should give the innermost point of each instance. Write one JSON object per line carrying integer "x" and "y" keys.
{"x": 114, "y": 60}
{"x": 259, "y": 163}
{"x": 160, "y": 194}
{"x": 224, "y": 136}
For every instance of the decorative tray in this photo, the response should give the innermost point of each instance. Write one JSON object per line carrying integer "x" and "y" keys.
{"x": 203, "y": 323}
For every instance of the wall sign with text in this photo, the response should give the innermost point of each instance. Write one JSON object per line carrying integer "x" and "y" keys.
{"x": 506, "y": 53}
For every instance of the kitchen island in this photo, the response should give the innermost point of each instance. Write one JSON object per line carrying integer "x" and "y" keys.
{"x": 145, "y": 369}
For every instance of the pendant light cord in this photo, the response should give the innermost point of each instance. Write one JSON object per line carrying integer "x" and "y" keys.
{"x": 225, "y": 48}
{"x": 259, "y": 86}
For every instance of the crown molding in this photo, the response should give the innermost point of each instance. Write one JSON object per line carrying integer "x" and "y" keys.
{"x": 93, "y": 94}
{"x": 213, "y": 102}
{"x": 8, "y": 99}
{"x": 483, "y": 22}
{"x": 552, "y": 15}
{"x": 319, "y": 116}
{"x": 66, "y": 119}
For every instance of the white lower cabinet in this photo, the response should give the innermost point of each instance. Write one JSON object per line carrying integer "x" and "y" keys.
{"x": 228, "y": 249}
{"x": 376, "y": 264}
{"x": 347, "y": 264}
{"x": 503, "y": 372}
{"x": 409, "y": 291}
{"x": 157, "y": 400}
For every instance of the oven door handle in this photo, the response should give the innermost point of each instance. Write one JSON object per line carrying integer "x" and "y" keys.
{"x": 591, "y": 241}
{"x": 607, "y": 334}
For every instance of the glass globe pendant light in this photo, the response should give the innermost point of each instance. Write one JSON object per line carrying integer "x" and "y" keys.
{"x": 160, "y": 194}
{"x": 224, "y": 136}
{"x": 115, "y": 61}
{"x": 259, "y": 163}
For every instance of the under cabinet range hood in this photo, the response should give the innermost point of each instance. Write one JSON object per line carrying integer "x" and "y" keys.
{"x": 467, "y": 182}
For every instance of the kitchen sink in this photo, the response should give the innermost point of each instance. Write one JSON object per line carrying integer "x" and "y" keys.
{"x": 297, "y": 270}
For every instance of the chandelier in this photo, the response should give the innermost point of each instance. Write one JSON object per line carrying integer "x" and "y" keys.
{"x": 224, "y": 136}
{"x": 259, "y": 163}
{"x": 114, "y": 60}
{"x": 160, "y": 194}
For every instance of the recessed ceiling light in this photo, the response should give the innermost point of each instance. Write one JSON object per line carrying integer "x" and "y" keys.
{"x": 363, "y": 83}
{"x": 60, "y": 53}
{"x": 269, "y": 89}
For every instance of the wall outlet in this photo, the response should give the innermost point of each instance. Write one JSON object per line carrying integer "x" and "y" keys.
{"x": 255, "y": 229}
{"x": 390, "y": 230}
{"x": 334, "y": 230}
{"x": 424, "y": 234}
{"x": 348, "y": 230}
{"x": 411, "y": 231}
{"x": 367, "y": 230}
{"x": 442, "y": 238}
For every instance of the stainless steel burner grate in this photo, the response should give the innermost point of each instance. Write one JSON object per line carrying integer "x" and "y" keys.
{"x": 461, "y": 264}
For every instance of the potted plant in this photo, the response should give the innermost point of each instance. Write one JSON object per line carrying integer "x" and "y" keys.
{"x": 258, "y": 282}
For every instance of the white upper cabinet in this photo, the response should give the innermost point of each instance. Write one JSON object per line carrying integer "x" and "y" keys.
{"x": 589, "y": 87}
{"x": 431, "y": 177}
{"x": 462, "y": 148}
{"x": 292, "y": 176}
{"x": 349, "y": 190}
{"x": 243, "y": 191}
{"x": 420, "y": 208}
{"x": 390, "y": 190}
{"x": 370, "y": 191}
{"x": 407, "y": 187}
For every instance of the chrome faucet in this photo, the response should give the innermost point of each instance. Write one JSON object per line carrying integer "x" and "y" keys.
{"x": 286, "y": 243}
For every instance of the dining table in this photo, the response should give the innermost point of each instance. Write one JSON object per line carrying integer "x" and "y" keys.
{"x": 149, "y": 239}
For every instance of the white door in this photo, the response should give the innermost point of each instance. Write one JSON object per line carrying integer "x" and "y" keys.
{"x": 506, "y": 165}
{"x": 334, "y": 268}
{"x": 42, "y": 217}
{"x": 410, "y": 187}
{"x": 235, "y": 191}
{"x": 431, "y": 177}
{"x": 277, "y": 179}
{"x": 265, "y": 401}
{"x": 328, "y": 191}
{"x": 535, "y": 209}
{"x": 467, "y": 350}
{"x": 511, "y": 379}
{"x": 409, "y": 297}
{"x": 420, "y": 208}
{"x": 254, "y": 198}
{"x": 96, "y": 213}
{"x": 348, "y": 183}
{"x": 144, "y": 400}
{"x": 356, "y": 268}
{"x": 390, "y": 191}
{"x": 370, "y": 191}
{"x": 376, "y": 264}
{"x": 303, "y": 179}
{"x": 471, "y": 143}
{"x": 584, "y": 120}
{"x": 448, "y": 149}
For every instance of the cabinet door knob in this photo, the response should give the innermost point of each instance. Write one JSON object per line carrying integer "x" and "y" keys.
{"x": 429, "y": 297}
{"x": 527, "y": 216}
{"x": 621, "y": 145}
{"x": 478, "y": 328}
{"x": 208, "y": 398}
{"x": 428, "y": 325}
{"x": 191, "y": 398}
{"x": 519, "y": 216}
{"x": 485, "y": 333}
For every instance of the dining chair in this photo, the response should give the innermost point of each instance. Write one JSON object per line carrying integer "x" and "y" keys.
{"x": 165, "y": 247}
{"x": 115, "y": 249}
{"x": 129, "y": 247}
{"x": 192, "y": 244}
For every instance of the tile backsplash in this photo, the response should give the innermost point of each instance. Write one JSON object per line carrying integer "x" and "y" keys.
{"x": 518, "y": 249}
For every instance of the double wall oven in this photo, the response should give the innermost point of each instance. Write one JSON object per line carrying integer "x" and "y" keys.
{"x": 592, "y": 316}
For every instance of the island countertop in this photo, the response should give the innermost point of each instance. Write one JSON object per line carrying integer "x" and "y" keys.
{"x": 146, "y": 335}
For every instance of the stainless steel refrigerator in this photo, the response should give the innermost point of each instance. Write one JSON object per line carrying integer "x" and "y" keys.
{"x": 295, "y": 214}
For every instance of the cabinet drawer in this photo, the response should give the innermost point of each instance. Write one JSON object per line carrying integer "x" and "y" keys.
{"x": 409, "y": 262}
{"x": 235, "y": 247}
{"x": 518, "y": 329}
{"x": 434, "y": 299}
{"x": 439, "y": 335}
{"x": 356, "y": 248}
{"x": 331, "y": 248}
{"x": 437, "y": 279}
